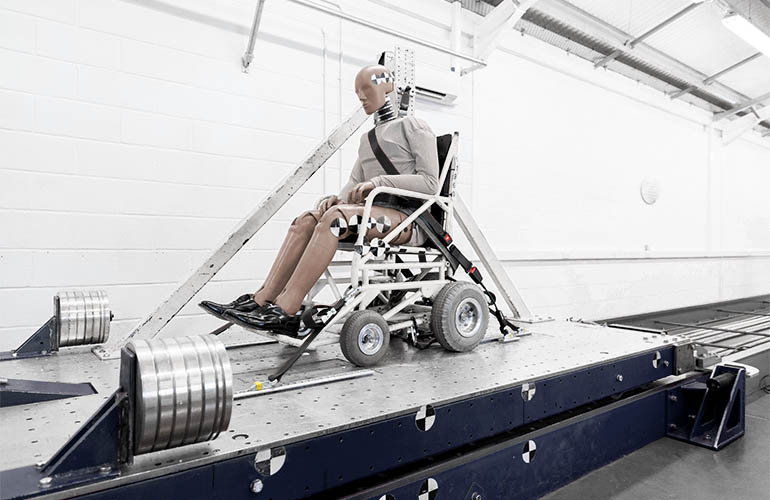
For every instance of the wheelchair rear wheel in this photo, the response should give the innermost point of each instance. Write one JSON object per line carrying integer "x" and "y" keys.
{"x": 459, "y": 316}
{"x": 364, "y": 338}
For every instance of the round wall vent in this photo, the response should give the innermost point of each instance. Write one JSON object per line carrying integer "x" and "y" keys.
{"x": 650, "y": 190}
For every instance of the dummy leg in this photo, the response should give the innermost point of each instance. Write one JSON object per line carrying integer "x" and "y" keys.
{"x": 291, "y": 251}
{"x": 322, "y": 246}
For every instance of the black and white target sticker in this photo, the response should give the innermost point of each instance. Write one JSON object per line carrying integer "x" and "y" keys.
{"x": 528, "y": 391}
{"x": 656, "y": 359}
{"x": 425, "y": 417}
{"x": 269, "y": 461}
{"x": 338, "y": 226}
{"x": 428, "y": 489}
{"x": 387, "y": 497}
{"x": 528, "y": 451}
{"x": 354, "y": 223}
{"x": 383, "y": 224}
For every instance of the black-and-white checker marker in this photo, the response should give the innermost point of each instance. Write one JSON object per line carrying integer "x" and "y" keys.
{"x": 383, "y": 77}
{"x": 383, "y": 224}
{"x": 362, "y": 249}
{"x": 425, "y": 417}
{"x": 528, "y": 391}
{"x": 656, "y": 359}
{"x": 269, "y": 461}
{"x": 338, "y": 226}
{"x": 387, "y": 497}
{"x": 354, "y": 224}
{"x": 528, "y": 452}
{"x": 378, "y": 248}
{"x": 428, "y": 489}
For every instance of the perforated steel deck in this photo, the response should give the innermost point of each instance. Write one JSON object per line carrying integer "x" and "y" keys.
{"x": 408, "y": 379}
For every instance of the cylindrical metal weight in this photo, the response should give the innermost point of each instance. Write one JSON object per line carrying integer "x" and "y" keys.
{"x": 184, "y": 391}
{"x": 82, "y": 317}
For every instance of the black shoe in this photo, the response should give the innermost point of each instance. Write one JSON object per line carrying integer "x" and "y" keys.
{"x": 244, "y": 303}
{"x": 268, "y": 317}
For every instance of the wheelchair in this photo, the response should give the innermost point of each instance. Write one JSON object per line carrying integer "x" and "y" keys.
{"x": 402, "y": 290}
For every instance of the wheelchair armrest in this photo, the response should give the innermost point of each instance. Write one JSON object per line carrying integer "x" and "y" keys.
{"x": 402, "y": 192}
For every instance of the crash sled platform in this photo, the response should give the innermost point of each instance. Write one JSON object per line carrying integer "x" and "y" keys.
{"x": 505, "y": 420}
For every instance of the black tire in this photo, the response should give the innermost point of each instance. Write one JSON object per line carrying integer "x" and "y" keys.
{"x": 459, "y": 330}
{"x": 370, "y": 350}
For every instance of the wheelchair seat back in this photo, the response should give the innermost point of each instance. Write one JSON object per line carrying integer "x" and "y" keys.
{"x": 443, "y": 143}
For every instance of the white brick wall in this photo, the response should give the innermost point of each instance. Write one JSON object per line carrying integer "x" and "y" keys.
{"x": 131, "y": 143}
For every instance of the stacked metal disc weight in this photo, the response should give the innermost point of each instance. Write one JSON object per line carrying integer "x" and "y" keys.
{"x": 83, "y": 317}
{"x": 184, "y": 391}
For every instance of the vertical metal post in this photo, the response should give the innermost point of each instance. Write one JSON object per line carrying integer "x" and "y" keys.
{"x": 456, "y": 33}
{"x": 404, "y": 69}
{"x": 248, "y": 56}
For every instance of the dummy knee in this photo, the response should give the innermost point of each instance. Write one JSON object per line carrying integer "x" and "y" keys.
{"x": 333, "y": 220}
{"x": 305, "y": 222}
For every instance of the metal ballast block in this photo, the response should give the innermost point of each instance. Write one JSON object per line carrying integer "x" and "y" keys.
{"x": 184, "y": 391}
{"x": 82, "y": 317}
{"x": 173, "y": 392}
{"x": 79, "y": 318}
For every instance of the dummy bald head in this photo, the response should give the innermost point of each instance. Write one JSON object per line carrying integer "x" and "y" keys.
{"x": 372, "y": 83}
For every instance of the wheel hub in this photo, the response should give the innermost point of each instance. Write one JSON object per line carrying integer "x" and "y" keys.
{"x": 370, "y": 339}
{"x": 468, "y": 317}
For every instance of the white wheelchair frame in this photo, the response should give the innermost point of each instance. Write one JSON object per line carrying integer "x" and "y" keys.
{"x": 374, "y": 277}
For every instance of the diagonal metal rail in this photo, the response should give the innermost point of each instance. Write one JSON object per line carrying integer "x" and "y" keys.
{"x": 246, "y": 229}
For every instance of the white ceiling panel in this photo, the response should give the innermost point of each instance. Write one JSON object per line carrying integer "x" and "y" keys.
{"x": 701, "y": 41}
{"x": 632, "y": 16}
{"x": 752, "y": 79}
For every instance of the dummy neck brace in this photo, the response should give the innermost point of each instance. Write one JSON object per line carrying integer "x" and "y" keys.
{"x": 386, "y": 113}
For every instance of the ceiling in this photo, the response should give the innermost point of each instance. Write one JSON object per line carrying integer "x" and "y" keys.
{"x": 682, "y": 44}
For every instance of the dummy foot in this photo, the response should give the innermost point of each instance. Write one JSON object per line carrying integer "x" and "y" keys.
{"x": 244, "y": 303}
{"x": 269, "y": 317}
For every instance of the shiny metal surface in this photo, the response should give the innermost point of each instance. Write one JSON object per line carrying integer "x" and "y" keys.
{"x": 185, "y": 391}
{"x": 370, "y": 339}
{"x": 468, "y": 317}
{"x": 403, "y": 382}
{"x": 83, "y": 317}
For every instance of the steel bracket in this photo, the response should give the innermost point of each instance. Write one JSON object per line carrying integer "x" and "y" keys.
{"x": 41, "y": 343}
{"x": 20, "y": 392}
{"x": 709, "y": 412}
{"x": 684, "y": 358}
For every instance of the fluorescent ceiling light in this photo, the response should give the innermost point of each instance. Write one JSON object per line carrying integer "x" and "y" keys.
{"x": 748, "y": 32}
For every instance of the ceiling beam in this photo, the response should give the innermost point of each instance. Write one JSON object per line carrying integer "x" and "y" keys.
{"x": 495, "y": 24}
{"x": 631, "y": 44}
{"x": 737, "y": 128}
{"x": 712, "y": 78}
{"x": 741, "y": 107}
{"x": 617, "y": 38}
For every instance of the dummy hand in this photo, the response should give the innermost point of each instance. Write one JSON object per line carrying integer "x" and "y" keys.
{"x": 360, "y": 191}
{"x": 328, "y": 203}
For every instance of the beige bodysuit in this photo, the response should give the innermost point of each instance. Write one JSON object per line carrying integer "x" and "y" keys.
{"x": 410, "y": 144}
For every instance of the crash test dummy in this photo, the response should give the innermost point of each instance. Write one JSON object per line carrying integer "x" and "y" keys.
{"x": 312, "y": 238}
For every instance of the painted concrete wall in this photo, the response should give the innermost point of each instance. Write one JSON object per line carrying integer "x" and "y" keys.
{"x": 131, "y": 144}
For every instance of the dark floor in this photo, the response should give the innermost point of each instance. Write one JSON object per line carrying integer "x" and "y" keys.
{"x": 670, "y": 469}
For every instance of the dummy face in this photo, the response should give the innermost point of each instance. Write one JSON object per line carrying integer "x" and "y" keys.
{"x": 372, "y": 83}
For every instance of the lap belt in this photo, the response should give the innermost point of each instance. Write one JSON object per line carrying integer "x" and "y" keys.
{"x": 435, "y": 232}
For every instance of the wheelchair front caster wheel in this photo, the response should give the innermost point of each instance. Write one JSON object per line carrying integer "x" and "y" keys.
{"x": 459, "y": 316}
{"x": 364, "y": 338}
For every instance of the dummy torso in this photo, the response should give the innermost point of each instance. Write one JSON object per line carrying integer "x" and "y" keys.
{"x": 411, "y": 146}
